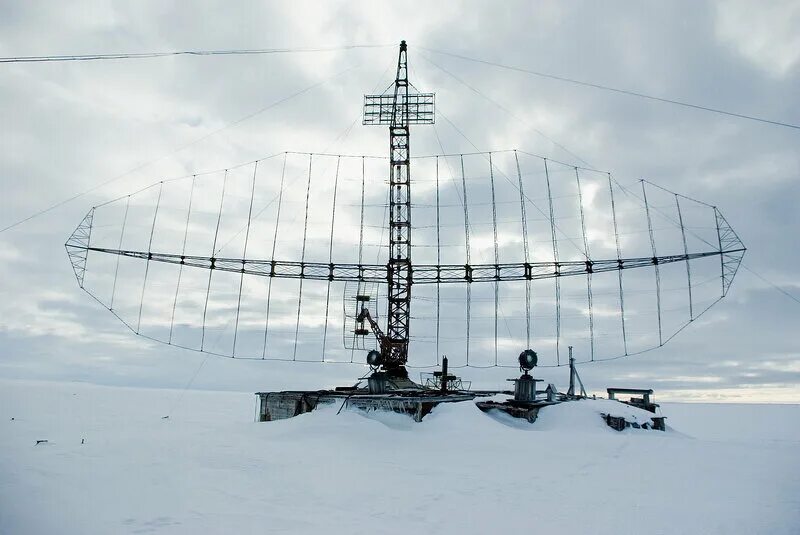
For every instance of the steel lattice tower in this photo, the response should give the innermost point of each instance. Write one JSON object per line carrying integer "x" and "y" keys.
{"x": 400, "y": 109}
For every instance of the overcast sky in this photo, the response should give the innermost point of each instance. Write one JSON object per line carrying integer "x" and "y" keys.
{"x": 73, "y": 125}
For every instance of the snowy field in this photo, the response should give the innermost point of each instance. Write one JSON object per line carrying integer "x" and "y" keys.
{"x": 209, "y": 468}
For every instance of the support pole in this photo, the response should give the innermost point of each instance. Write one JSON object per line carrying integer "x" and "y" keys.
{"x": 399, "y": 110}
{"x": 573, "y": 376}
{"x": 571, "y": 391}
{"x": 444, "y": 374}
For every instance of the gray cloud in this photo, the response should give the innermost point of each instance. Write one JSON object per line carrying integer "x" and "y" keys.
{"x": 74, "y": 125}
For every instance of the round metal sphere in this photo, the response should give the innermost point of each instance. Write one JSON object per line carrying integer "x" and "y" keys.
{"x": 528, "y": 359}
{"x": 374, "y": 358}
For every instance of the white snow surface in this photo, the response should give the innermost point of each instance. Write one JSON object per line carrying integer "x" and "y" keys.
{"x": 209, "y": 468}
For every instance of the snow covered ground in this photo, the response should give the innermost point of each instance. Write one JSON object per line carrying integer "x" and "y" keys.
{"x": 209, "y": 468}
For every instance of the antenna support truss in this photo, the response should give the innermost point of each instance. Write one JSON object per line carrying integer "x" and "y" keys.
{"x": 421, "y": 273}
{"x": 399, "y": 110}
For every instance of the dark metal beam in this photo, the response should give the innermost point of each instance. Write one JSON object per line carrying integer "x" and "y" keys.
{"x": 421, "y": 274}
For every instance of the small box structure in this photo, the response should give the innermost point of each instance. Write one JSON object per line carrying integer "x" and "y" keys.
{"x": 282, "y": 405}
{"x": 644, "y": 402}
{"x": 415, "y": 403}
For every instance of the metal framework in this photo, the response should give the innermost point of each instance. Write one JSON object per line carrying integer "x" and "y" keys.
{"x": 399, "y": 110}
{"x": 421, "y": 273}
{"x": 731, "y": 250}
{"x": 78, "y": 246}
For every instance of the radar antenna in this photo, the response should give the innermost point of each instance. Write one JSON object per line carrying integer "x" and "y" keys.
{"x": 399, "y": 109}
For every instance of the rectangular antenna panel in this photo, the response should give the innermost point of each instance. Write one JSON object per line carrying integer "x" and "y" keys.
{"x": 378, "y": 108}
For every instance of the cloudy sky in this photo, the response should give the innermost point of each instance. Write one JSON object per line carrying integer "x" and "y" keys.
{"x": 71, "y": 126}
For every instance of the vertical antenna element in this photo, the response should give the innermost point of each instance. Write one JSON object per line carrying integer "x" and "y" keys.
{"x": 466, "y": 243}
{"x": 466, "y": 209}
{"x": 213, "y": 260}
{"x": 524, "y": 219}
{"x": 555, "y": 260}
{"x": 588, "y": 266}
{"x": 655, "y": 262}
{"x": 496, "y": 256}
{"x": 244, "y": 261}
{"x": 302, "y": 260}
{"x": 361, "y": 225}
{"x": 149, "y": 251}
{"x": 121, "y": 235}
{"x": 620, "y": 265}
{"x": 359, "y": 287}
{"x": 330, "y": 258}
{"x": 721, "y": 257}
{"x": 686, "y": 253}
{"x": 183, "y": 253}
{"x": 438, "y": 263}
{"x": 272, "y": 257}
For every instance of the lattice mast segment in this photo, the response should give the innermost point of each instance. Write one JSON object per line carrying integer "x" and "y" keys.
{"x": 399, "y": 109}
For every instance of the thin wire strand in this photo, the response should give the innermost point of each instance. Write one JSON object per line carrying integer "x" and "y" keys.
{"x": 655, "y": 262}
{"x": 617, "y": 90}
{"x": 496, "y": 254}
{"x": 244, "y": 261}
{"x": 302, "y": 259}
{"x": 686, "y": 252}
{"x": 619, "y": 259}
{"x": 462, "y": 134}
{"x": 147, "y": 263}
{"x": 272, "y": 256}
{"x": 466, "y": 243}
{"x": 524, "y": 221}
{"x": 557, "y": 279}
{"x": 213, "y": 248}
{"x": 770, "y": 283}
{"x": 438, "y": 262}
{"x": 511, "y": 113}
{"x": 178, "y": 149}
{"x": 180, "y": 268}
{"x": 330, "y": 259}
{"x": 589, "y": 296}
{"x": 121, "y": 235}
{"x": 150, "y": 55}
